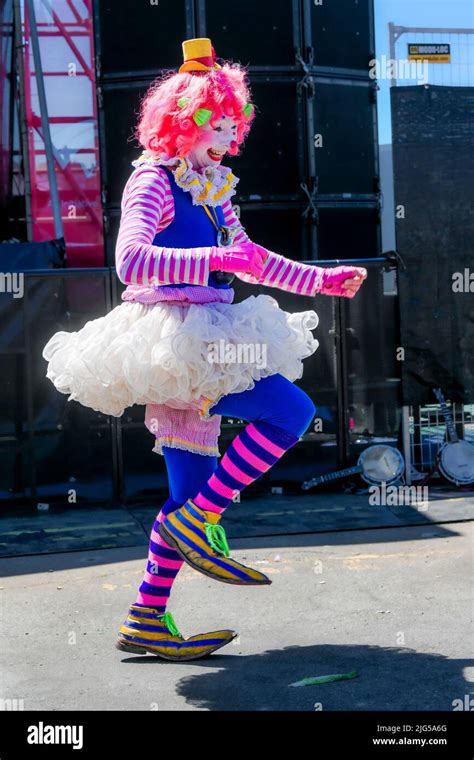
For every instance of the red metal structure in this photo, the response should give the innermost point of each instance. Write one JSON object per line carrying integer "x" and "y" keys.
{"x": 65, "y": 37}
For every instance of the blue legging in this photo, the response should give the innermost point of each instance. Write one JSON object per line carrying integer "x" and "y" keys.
{"x": 273, "y": 399}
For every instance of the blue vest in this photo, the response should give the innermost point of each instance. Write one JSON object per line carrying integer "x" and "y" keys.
{"x": 190, "y": 228}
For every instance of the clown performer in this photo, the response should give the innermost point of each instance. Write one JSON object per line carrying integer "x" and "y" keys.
{"x": 179, "y": 246}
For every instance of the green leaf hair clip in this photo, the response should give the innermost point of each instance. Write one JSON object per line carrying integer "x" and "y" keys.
{"x": 248, "y": 109}
{"x": 202, "y": 116}
{"x": 183, "y": 102}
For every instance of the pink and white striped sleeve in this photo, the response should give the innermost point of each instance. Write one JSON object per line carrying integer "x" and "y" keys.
{"x": 231, "y": 219}
{"x": 292, "y": 276}
{"x": 279, "y": 272}
{"x": 147, "y": 208}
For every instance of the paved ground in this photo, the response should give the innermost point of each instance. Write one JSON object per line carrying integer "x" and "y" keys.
{"x": 393, "y": 603}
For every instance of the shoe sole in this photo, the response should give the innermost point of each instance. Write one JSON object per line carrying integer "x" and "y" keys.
{"x": 124, "y": 646}
{"x": 170, "y": 540}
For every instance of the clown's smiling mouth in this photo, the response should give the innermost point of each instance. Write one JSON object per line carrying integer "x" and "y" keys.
{"x": 216, "y": 155}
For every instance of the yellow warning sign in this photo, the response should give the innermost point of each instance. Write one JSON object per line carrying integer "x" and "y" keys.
{"x": 432, "y": 52}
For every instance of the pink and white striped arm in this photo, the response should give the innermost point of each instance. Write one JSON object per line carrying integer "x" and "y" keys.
{"x": 147, "y": 208}
{"x": 285, "y": 274}
{"x": 279, "y": 272}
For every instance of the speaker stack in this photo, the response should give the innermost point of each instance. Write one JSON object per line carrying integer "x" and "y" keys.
{"x": 309, "y": 185}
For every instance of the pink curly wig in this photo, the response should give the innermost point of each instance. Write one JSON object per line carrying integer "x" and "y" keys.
{"x": 165, "y": 129}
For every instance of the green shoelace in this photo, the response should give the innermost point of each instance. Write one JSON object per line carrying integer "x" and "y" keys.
{"x": 167, "y": 619}
{"x": 217, "y": 538}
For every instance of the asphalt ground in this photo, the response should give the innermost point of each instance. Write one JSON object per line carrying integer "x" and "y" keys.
{"x": 392, "y": 603}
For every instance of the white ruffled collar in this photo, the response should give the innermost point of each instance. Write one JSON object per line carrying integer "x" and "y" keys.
{"x": 211, "y": 186}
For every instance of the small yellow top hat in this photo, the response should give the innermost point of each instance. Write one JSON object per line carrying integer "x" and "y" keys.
{"x": 198, "y": 55}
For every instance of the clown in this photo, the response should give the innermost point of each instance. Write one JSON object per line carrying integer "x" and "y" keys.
{"x": 179, "y": 247}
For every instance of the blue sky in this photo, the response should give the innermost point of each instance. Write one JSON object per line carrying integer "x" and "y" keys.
{"x": 424, "y": 13}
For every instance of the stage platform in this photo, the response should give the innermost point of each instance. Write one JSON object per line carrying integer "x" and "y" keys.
{"x": 75, "y": 529}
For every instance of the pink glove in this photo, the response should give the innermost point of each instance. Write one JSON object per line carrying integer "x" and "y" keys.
{"x": 244, "y": 257}
{"x": 342, "y": 281}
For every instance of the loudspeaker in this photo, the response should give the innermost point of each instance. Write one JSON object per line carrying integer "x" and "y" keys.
{"x": 272, "y": 163}
{"x": 279, "y": 227}
{"x": 339, "y": 33}
{"x": 342, "y": 138}
{"x": 347, "y": 233}
{"x": 264, "y": 34}
{"x": 119, "y": 146}
{"x": 140, "y": 38}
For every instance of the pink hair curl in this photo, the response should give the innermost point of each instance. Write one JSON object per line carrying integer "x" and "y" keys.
{"x": 165, "y": 129}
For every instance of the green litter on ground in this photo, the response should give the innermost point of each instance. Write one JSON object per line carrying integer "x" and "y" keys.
{"x": 326, "y": 679}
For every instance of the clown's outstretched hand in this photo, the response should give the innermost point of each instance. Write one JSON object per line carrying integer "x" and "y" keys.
{"x": 341, "y": 281}
{"x": 307, "y": 279}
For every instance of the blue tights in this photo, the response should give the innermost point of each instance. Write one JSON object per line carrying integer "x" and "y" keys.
{"x": 273, "y": 399}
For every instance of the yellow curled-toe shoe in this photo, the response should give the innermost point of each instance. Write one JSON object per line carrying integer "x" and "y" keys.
{"x": 202, "y": 543}
{"x": 147, "y": 630}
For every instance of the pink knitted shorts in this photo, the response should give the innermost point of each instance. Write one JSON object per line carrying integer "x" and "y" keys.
{"x": 183, "y": 429}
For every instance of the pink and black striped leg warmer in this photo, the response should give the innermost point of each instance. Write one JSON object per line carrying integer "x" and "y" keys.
{"x": 252, "y": 453}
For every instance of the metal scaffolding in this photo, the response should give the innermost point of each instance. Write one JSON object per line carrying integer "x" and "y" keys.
{"x": 56, "y": 85}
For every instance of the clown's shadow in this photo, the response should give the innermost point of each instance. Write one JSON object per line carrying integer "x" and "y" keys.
{"x": 389, "y": 678}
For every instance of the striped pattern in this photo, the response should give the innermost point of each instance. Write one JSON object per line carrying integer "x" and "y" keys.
{"x": 279, "y": 272}
{"x": 143, "y": 632}
{"x": 148, "y": 207}
{"x": 185, "y": 530}
{"x": 182, "y": 428}
{"x": 292, "y": 276}
{"x": 251, "y": 454}
{"x": 162, "y": 567}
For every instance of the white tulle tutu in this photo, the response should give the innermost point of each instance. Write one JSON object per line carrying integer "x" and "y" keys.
{"x": 176, "y": 354}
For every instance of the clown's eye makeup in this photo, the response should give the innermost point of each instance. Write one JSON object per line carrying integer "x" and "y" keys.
{"x": 217, "y": 129}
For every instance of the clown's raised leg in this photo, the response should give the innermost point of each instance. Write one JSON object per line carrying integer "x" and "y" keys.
{"x": 279, "y": 413}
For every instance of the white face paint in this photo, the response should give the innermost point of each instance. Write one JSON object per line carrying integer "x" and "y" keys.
{"x": 213, "y": 143}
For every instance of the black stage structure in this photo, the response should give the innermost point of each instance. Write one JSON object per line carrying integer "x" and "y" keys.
{"x": 433, "y": 160}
